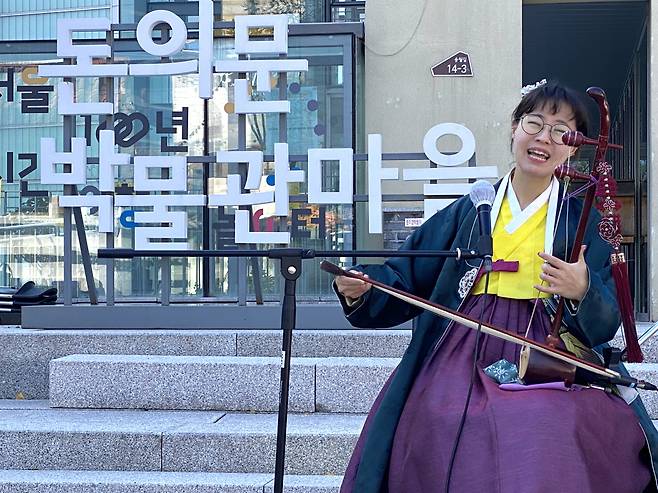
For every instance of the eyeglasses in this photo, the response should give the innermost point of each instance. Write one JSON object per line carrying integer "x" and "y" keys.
{"x": 534, "y": 124}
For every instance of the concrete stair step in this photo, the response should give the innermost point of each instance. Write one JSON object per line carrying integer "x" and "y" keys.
{"x": 649, "y": 348}
{"x": 26, "y": 353}
{"x": 359, "y": 343}
{"x": 58, "y": 481}
{"x": 231, "y": 383}
{"x": 316, "y": 444}
{"x": 172, "y": 441}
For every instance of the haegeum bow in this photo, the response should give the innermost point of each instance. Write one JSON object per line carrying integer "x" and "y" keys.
{"x": 538, "y": 363}
{"x": 603, "y": 195}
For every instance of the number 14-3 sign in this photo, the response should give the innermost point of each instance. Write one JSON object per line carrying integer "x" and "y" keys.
{"x": 457, "y": 65}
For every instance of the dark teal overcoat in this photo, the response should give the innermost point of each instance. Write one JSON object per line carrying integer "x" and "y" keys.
{"x": 595, "y": 322}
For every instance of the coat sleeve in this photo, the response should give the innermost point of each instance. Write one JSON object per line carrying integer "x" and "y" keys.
{"x": 596, "y": 318}
{"x": 414, "y": 275}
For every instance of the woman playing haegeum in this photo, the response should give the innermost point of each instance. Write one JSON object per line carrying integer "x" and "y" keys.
{"x": 574, "y": 440}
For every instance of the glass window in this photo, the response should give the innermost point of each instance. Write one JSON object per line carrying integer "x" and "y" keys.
{"x": 160, "y": 115}
{"x": 317, "y": 120}
{"x": 226, "y": 10}
{"x": 348, "y": 10}
{"x": 21, "y": 20}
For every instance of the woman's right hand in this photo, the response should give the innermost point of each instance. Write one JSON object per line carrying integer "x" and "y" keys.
{"x": 351, "y": 288}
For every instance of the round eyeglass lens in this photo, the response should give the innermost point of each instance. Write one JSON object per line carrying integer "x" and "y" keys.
{"x": 533, "y": 124}
{"x": 558, "y": 130}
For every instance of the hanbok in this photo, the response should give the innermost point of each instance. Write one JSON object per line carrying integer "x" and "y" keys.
{"x": 567, "y": 440}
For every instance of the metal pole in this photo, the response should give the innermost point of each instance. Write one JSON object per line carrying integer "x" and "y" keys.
{"x": 84, "y": 252}
{"x": 205, "y": 220}
{"x": 242, "y": 145}
{"x": 68, "y": 258}
{"x": 283, "y": 137}
{"x": 165, "y": 280}
{"x": 109, "y": 237}
{"x": 276, "y": 253}
{"x": 165, "y": 263}
{"x": 69, "y": 132}
{"x": 291, "y": 268}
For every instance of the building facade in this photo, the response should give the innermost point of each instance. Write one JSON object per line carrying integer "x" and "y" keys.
{"x": 370, "y": 72}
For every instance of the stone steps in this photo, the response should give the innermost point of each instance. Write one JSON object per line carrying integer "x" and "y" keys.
{"x": 230, "y": 383}
{"x": 100, "y": 436}
{"x": 57, "y": 450}
{"x": 58, "y": 481}
{"x": 39, "y": 438}
{"x": 25, "y": 354}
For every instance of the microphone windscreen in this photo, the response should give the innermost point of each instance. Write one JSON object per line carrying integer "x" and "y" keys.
{"x": 482, "y": 192}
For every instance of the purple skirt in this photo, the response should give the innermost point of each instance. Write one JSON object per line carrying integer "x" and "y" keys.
{"x": 541, "y": 440}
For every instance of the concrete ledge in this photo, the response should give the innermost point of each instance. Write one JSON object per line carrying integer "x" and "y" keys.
{"x": 317, "y": 444}
{"x": 25, "y": 354}
{"x": 350, "y": 385}
{"x": 230, "y": 383}
{"x": 129, "y": 482}
{"x": 23, "y": 405}
{"x": 178, "y": 382}
{"x": 363, "y": 343}
{"x": 308, "y": 484}
{"x": 173, "y": 441}
{"x": 200, "y": 316}
{"x": 16, "y": 481}
{"x": 95, "y": 440}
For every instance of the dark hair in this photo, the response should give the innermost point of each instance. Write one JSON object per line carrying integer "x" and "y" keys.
{"x": 553, "y": 95}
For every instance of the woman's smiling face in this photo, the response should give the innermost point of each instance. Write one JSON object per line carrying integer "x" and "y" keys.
{"x": 538, "y": 155}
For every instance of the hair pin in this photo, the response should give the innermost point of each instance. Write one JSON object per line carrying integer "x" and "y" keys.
{"x": 531, "y": 87}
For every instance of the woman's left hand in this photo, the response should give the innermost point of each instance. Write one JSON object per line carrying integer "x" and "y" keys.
{"x": 563, "y": 278}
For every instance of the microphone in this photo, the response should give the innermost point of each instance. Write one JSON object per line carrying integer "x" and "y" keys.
{"x": 482, "y": 195}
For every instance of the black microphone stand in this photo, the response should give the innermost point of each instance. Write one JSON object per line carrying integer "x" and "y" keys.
{"x": 290, "y": 269}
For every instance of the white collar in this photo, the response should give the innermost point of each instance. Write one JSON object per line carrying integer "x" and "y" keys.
{"x": 519, "y": 217}
{"x": 551, "y": 194}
